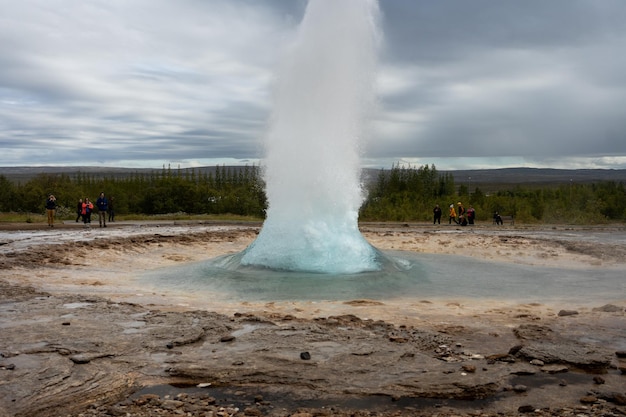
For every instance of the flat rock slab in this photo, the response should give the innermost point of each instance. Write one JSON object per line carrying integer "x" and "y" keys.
{"x": 67, "y": 353}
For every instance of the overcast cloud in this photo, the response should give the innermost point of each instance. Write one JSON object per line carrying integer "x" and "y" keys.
{"x": 461, "y": 84}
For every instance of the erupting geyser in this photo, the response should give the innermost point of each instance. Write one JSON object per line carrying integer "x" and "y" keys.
{"x": 312, "y": 171}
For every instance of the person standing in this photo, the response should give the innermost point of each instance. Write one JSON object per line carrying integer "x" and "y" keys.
{"x": 452, "y": 215}
{"x": 437, "y": 214}
{"x": 103, "y": 205}
{"x": 86, "y": 210}
{"x": 460, "y": 210}
{"x": 471, "y": 213}
{"x": 79, "y": 209}
{"x": 51, "y": 206}
{"x": 111, "y": 210}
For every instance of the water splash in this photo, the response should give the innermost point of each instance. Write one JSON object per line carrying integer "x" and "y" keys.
{"x": 312, "y": 170}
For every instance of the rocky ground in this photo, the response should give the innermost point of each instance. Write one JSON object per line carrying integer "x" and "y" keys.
{"x": 79, "y": 339}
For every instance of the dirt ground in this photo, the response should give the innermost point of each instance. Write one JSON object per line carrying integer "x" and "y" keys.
{"x": 81, "y": 336}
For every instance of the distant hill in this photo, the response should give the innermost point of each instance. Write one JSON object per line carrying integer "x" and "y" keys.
{"x": 538, "y": 175}
{"x": 25, "y": 173}
{"x": 482, "y": 178}
{"x": 497, "y": 179}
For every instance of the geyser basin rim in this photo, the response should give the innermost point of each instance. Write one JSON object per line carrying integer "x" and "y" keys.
{"x": 406, "y": 274}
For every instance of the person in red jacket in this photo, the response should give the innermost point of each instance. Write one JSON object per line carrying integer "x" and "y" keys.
{"x": 86, "y": 212}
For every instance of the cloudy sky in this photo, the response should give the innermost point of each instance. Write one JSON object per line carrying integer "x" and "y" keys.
{"x": 461, "y": 84}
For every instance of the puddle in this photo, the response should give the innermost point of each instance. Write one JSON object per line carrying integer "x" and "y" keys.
{"x": 244, "y": 397}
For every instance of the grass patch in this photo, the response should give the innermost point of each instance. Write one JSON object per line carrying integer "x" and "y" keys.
{"x": 14, "y": 217}
{"x": 185, "y": 216}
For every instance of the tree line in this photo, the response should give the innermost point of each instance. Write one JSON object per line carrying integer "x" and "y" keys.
{"x": 410, "y": 194}
{"x": 226, "y": 190}
{"x": 398, "y": 194}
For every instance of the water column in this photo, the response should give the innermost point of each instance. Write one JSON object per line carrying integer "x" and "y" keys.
{"x": 324, "y": 93}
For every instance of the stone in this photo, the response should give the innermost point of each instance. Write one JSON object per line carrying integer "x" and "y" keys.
{"x": 554, "y": 369}
{"x": 532, "y": 332}
{"x": 524, "y": 371}
{"x": 502, "y": 357}
{"x": 398, "y": 339}
{"x": 588, "y": 399}
{"x": 609, "y": 308}
{"x": 598, "y": 380}
{"x": 469, "y": 368}
{"x": 561, "y": 351}
{"x": 251, "y": 411}
{"x": 171, "y": 404}
{"x": 564, "y": 313}
{"x": 305, "y": 356}
{"x": 80, "y": 359}
{"x": 526, "y": 409}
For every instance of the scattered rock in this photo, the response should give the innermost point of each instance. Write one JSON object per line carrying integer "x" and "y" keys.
{"x": 227, "y": 338}
{"x": 397, "y": 339}
{"x": 83, "y": 358}
{"x": 526, "y": 409}
{"x": 171, "y": 405}
{"x": 500, "y": 357}
{"x": 588, "y": 399}
{"x": 305, "y": 356}
{"x": 564, "y": 313}
{"x": 252, "y": 411}
{"x": 524, "y": 371}
{"x": 598, "y": 380}
{"x": 80, "y": 359}
{"x": 609, "y": 308}
{"x": 563, "y": 351}
{"x": 469, "y": 368}
{"x": 554, "y": 369}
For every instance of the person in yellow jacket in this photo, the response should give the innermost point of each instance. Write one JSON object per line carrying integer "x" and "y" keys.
{"x": 453, "y": 214}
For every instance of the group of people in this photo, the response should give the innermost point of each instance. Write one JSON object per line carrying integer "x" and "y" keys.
{"x": 460, "y": 215}
{"x": 85, "y": 207}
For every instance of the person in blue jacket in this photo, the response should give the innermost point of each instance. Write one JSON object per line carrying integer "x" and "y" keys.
{"x": 103, "y": 205}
